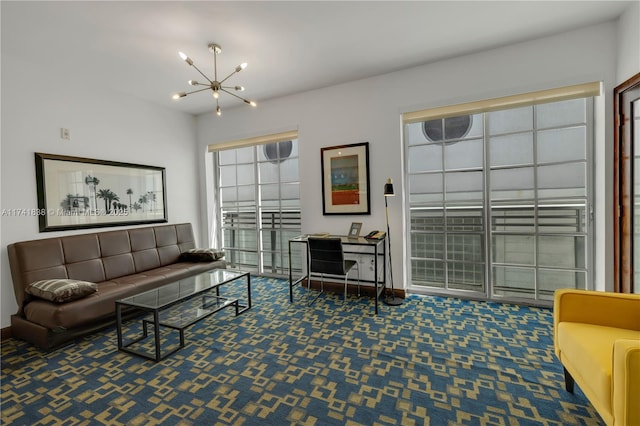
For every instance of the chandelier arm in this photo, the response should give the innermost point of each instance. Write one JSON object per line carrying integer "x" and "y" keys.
{"x": 227, "y": 77}
{"x": 196, "y": 91}
{"x": 233, "y": 94}
{"x": 201, "y": 73}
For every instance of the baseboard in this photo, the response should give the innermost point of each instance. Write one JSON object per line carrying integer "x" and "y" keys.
{"x": 335, "y": 287}
{"x": 5, "y": 333}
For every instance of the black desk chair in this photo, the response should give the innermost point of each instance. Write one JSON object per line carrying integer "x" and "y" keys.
{"x": 327, "y": 258}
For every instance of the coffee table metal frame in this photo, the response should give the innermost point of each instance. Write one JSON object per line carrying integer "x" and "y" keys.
{"x": 162, "y": 303}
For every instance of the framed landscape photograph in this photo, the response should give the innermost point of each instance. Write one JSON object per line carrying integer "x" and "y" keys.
{"x": 75, "y": 193}
{"x": 345, "y": 179}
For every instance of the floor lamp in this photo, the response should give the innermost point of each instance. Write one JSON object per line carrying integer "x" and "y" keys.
{"x": 391, "y": 300}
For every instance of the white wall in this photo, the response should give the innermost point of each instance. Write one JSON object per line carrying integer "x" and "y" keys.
{"x": 104, "y": 125}
{"x": 628, "y": 43}
{"x": 369, "y": 110}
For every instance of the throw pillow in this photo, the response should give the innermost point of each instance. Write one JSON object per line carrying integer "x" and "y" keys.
{"x": 202, "y": 255}
{"x": 61, "y": 290}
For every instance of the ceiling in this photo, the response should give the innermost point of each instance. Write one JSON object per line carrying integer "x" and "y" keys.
{"x": 132, "y": 47}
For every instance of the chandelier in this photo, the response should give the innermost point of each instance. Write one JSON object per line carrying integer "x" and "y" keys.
{"x": 214, "y": 85}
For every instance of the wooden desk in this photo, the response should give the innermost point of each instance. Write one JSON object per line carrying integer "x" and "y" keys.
{"x": 378, "y": 247}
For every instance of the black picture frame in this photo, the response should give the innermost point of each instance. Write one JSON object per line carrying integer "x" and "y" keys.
{"x": 345, "y": 179}
{"x": 77, "y": 193}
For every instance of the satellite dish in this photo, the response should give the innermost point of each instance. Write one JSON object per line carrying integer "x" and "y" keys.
{"x": 278, "y": 151}
{"x": 454, "y": 128}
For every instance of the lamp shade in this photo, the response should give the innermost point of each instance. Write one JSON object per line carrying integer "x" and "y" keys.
{"x": 388, "y": 188}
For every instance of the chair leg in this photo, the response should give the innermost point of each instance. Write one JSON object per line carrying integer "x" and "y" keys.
{"x": 321, "y": 290}
{"x": 568, "y": 381}
{"x": 345, "y": 289}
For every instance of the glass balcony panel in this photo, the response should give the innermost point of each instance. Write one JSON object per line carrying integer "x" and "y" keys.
{"x": 465, "y": 217}
{"x": 425, "y": 158}
{"x": 514, "y": 249}
{"x": 508, "y": 216}
{"x": 558, "y": 145}
{"x": 269, "y": 172}
{"x": 245, "y": 155}
{"x": 429, "y": 273}
{"x": 289, "y": 171}
{"x": 228, "y": 176}
{"x": 426, "y": 219}
{"x": 559, "y": 251}
{"x": 465, "y": 276}
{"x": 511, "y": 150}
{"x": 514, "y": 282}
{"x": 512, "y": 184}
{"x": 461, "y": 186}
{"x": 562, "y": 180}
{"x": 464, "y": 247}
{"x": 227, "y": 156}
{"x": 229, "y": 194}
{"x": 427, "y": 246}
{"x": 562, "y": 217}
{"x": 464, "y": 154}
{"x": 425, "y": 188}
{"x": 245, "y": 174}
{"x": 551, "y": 280}
{"x": 290, "y": 191}
{"x": 510, "y": 120}
{"x": 557, "y": 114}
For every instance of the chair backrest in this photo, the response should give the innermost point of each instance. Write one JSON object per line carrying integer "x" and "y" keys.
{"x": 326, "y": 256}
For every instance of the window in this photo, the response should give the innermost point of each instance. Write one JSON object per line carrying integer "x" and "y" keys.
{"x": 259, "y": 204}
{"x": 499, "y": 200}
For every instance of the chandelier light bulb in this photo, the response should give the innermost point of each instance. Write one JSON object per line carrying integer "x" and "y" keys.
{"x": 241, "y": 67}
{"x": 179, "y": 95}
{"x": 239, "y": 88}
{"x": 215, "y": 94}
{"x": 193, "y": 83}
{"x": 185, "y": 58}
{"x": 218, "y": 111}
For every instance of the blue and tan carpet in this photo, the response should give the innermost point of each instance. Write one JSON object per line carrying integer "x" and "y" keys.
{"x": 431, "y": 361}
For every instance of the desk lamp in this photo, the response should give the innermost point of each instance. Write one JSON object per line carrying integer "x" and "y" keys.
{"x": 391, "y": 300}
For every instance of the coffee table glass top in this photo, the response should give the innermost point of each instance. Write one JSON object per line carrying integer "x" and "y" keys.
{"x": 168, "y": 294}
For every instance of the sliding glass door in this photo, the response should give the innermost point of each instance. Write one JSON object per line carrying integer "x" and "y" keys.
{"x": 259, "y": 205}
{"x": 499, "y": 202}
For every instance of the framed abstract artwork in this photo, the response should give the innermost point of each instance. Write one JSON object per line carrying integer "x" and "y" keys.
{"x": 75, "y": 193}
{"x": 345, "y": 179}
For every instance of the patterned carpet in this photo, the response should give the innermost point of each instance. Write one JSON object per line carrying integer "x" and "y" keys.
{"x": 431, "y": 361}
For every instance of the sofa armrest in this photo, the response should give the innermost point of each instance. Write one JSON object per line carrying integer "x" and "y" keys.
{"x": 626, "y": 381}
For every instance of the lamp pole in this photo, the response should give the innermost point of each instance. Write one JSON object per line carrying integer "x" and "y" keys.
{"x": 390, "y": 300}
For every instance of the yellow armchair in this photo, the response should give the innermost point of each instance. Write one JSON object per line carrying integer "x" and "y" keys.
{"x": 597, "y": 340}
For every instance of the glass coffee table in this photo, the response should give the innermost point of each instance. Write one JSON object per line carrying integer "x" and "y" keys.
{"x": 176, "y": 306}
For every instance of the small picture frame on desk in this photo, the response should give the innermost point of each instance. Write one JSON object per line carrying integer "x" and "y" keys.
{"x": 354, "y": 231}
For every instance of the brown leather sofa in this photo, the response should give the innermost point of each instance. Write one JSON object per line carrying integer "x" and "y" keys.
{"x": 121, "y": 263}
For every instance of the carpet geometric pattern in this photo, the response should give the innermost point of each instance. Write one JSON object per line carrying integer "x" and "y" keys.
{"x": 430, "y": 361}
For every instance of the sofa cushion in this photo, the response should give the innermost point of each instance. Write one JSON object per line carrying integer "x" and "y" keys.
{"x": 589, "y": 348}
{"x": 202, "y": 255}
{"x": 61, "y": 290}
